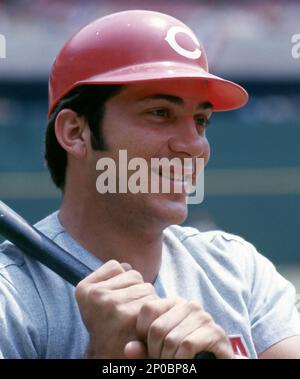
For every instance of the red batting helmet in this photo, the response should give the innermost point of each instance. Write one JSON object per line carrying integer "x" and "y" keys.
{"x": 137, "y": 46}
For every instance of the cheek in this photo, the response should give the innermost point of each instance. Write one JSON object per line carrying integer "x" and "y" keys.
{"x": 122, "y": 132}
{"x": 131, "y": 137}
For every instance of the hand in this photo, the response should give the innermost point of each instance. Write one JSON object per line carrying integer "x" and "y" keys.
{"x": 176, "y": 328}
{"x": 110, "y": 300}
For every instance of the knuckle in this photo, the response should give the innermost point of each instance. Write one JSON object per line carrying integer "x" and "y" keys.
{"x": 149, "y": 288}
{"x": 150, "y": 298}
{"x": 186, "y": 344}
{"x": 180, "y": 301}
{"x": 170, "y": 341}
{"x": 220, "y": 343}
{"x": 224, "y": 350}
{"x": 194, "y": 306}
{"x": 96, "y": 294}
{"x": 155, "y": 330}
{"x": 108, "y": 301}
{"x": 126, "y": 313}
{"x": 136, "y": 275}
{"x": 206, "y": 318}
{"x": 113, "y": 265}
{"x": 82, "y": 291}
{"x": 147, "y": 309}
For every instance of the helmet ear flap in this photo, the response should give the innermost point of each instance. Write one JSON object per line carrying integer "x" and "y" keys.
{"x": 135, "y": 46}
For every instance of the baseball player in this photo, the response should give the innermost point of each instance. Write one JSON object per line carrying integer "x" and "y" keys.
{"x": 138, "y": 81}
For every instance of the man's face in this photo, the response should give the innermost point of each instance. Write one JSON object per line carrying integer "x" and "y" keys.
{"x": 163, "y": 119}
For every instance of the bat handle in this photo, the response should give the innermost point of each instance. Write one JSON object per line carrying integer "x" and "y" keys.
{"x": 205, "y": 355}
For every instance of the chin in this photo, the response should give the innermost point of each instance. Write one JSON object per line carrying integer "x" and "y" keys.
{"x": 172, "y": 211}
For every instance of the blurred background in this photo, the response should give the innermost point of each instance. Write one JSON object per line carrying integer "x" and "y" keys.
{"x": 252, "y": 182}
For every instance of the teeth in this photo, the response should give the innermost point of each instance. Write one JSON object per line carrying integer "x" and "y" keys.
{"x": 176, "y": 177}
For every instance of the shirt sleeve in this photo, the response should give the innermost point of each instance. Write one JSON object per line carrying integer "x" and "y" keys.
{"x": 272, "y": 309}
{"x": 19, "y": 337}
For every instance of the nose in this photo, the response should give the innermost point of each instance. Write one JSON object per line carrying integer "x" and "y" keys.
{"x": 187, "y": 141}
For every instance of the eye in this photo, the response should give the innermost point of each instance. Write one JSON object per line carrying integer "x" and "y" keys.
{"x": 202, "y": 121}
{"x": 160, "y": 112}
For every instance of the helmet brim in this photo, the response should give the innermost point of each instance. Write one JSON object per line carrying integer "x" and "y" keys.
{"x": 224, "y": 95}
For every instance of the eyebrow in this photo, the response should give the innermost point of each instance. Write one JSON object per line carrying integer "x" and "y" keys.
{"x": 176, "y": 100}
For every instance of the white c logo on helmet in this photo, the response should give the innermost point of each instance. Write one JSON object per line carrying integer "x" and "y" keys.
{"x": 171, "y": 39}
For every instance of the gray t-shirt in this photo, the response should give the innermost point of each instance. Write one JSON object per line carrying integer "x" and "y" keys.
{"x": 39, "y": 316}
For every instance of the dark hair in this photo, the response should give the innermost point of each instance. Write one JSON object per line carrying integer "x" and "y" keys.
{"x": 87, "y": 101}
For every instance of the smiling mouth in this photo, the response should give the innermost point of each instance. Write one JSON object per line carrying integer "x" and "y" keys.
{"x": 176, "y": 174}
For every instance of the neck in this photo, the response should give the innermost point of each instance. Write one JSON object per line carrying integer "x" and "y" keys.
{"x": 107, "y": 233}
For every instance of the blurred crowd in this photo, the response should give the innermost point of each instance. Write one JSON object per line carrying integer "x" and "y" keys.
{"x": 241, "y": 38}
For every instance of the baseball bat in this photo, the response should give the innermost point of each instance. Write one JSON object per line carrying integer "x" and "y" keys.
{"x": 38, "y": 246}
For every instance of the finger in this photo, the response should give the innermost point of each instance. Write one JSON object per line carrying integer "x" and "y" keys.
{"x": 192, "y": 318}
{"x": 122, "y": 280}
{"x": 207, "y": 338}
{"x": 135, "y": 350}
{"x": 151, "y": 311}
{"x": 137, "y": 304}
{"x": 125, "y": 299}
{"x": 152, "y": 331}
{"x": 106, "y": 271}
{"x": 165, "y": 332}
{"x": 142, "y": 292}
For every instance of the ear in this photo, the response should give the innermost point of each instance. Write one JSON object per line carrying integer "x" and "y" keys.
{"x": 70, "y": 130}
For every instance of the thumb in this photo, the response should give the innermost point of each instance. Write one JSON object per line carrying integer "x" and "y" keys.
{"x": 135, "y": 350}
